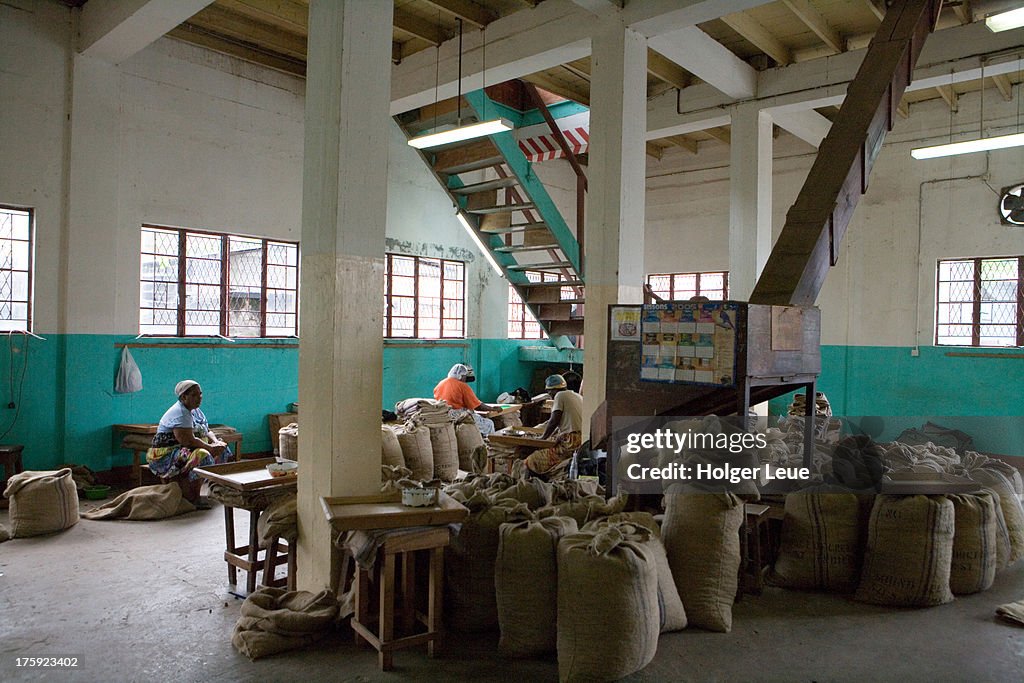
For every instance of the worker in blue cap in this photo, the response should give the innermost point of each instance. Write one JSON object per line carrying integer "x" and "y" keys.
{"x": 565, "y": 425}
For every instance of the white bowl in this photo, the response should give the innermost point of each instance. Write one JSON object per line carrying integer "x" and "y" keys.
{"x": 283, "y": 469}
{"x": 417, "y": 498}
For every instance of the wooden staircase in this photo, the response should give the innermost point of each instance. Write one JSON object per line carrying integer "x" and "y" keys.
{"x": 491, "y": 182}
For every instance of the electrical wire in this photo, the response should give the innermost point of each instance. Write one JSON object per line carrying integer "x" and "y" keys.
{"x": 10, "y": 379}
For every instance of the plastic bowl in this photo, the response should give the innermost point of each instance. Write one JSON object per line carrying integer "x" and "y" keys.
{"x": 97, "y": 492}
{"x": 283, "y": 469}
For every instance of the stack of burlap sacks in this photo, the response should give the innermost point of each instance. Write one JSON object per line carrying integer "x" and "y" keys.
{"x": 908, "y": 551}
{"x": 429, "y": 444}
{"x": 560, "y": 569}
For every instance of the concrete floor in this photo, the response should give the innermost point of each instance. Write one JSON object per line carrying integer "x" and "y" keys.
{"x": 147, "y": 601}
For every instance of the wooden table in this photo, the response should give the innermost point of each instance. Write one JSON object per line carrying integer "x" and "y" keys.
{"x": 255, "y": 488}
{"x": 425, "y": 532}
{"x": 147, "y": 429}
{"x": 504, "y": 410}
{"x": 527, "y": 437}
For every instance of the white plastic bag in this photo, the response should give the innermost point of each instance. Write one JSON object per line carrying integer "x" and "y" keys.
{"x": 129, "y": 377}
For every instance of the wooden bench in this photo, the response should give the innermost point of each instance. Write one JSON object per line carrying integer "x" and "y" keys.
{"x": 138, "y": 437}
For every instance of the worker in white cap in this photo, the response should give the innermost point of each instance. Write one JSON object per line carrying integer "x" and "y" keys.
{"x": 455, "y": 391}
{"x": 565, "y": 425}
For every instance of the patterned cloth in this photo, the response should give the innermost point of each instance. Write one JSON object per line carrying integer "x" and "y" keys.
{"x": 543, "y": 460}
{"x": 168, "y": 459}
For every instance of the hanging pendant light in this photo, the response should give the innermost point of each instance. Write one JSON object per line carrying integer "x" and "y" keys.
{"x": 460, "y": 132}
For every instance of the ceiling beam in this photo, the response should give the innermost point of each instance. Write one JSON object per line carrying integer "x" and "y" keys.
{"x": 878, "y": 9}
{"x": 288, "y": 15}
{"x": 468, "y": 11}
{"x": 947, "y": 93}
{"x": 963, "y": 11}
{"x": 720, "y": 133}
{"x": 1004, "y": 85}
{"x": 903, "y": 109}
{"x": 227, "y": 23}
{"x": 577, "y": 71}
{"x": 419, "y": 28}
{"x": 559, "y": 88}
{"x": 812, "y": 18}
{"x": 656, "y": 17}
{"x": 687, "y": 143}
{"x": 114, "y": 30}
{"x": 666, "y": 70}
{"x": 806, "y": 124}
{"x": 759, "y": 37}
{"x": 226, "y": 45}
{"x": 600, "y": 6}
{"x": 707, "y": 59}
{"x": 653, "y": 150}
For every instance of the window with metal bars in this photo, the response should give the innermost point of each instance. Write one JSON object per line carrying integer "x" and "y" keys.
{"x": 682, "y": 286}
{"x": 521, "y": 323}
{"x": 197, "y": 283}
{"x": 15, "y": 269}
{"x": 980, "y": 302}
{"x": 424, "y": 298}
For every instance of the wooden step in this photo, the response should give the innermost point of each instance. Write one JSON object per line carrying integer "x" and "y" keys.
{"x": 469, "y": 157}
{"x": 559, "y": 311}
{"x": 553, "y": 265}
{"x": 548, "y": 292}
{"x": 505, "y": 208}
{"x": 485, "y": 186}
{"x": 515, "y": 249}
{"x": 569, "y": 328}
{"x": 492, "y": 224}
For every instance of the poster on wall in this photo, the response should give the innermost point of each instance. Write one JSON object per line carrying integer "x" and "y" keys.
{"x": 625, "y": 323}
{"x": 690, "y": 342}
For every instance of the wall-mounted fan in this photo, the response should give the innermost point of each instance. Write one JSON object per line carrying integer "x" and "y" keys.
{"x": 1011, "y": 205}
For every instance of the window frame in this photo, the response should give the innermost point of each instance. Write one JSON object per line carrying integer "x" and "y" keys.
{"x": 672, "y": 281}
{"x": 977, "y": 301}
{"x": 224, "y": 284}
{"x": 389, "y": 296}
{"x": 29, "y": 269}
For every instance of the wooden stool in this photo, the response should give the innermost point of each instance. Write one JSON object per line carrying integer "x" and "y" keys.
{"x": 755, "y": 545}
{"x": 274, "y": 558}
{"x": 433, "y": 540}
{"x": 10, "y": 458}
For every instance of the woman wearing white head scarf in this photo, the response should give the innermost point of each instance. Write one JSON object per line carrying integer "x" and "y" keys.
{"x": 183, "y": 441}
{"x": 455, "y": 391}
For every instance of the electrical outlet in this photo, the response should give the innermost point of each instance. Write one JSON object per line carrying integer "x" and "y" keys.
{"x": 915, "y": 352}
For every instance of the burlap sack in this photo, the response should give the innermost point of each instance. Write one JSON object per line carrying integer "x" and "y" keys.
{"x": 526, "y": 582}
{"x": 973, "y": 567}
{"x": 701, "y": 534}
{"x": 273, "y": 620}
{"x": 909, "y": 551}
{"x": 288, "y": 441}
{"x": 533, "y": 492}
{"x": 586, "y": 509}
{"x": 469, "y": 567}
{"x": 390, "y": 449}
{"x": 416, "y": 450}
{"x": 470, "y": 441}
{"x": 42, "y": 502}
{"x": 1013, "y": 513}
{"x": 673, "y": 614}
{"x": 820, "y": 546}
{"x": 445, "y": 448}
{"x": 607, "y": 604}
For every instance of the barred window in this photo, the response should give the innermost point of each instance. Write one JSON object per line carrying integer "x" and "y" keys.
{"x": 682, "y": 286}
{"x": 980, "y": 302}
{"x": 201, "y": 283}
{"x": 15, "y": 269}
{"x": 424, "y": 298}
{"x": 521, "y": 323}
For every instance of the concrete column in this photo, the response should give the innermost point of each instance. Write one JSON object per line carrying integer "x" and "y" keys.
{"x": 750, "y": 198}
{"x": 344, "y": 208}
{"x": 614, "y": 241}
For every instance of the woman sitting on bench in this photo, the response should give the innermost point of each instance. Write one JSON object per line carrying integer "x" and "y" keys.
{"x": 183, "y": 442}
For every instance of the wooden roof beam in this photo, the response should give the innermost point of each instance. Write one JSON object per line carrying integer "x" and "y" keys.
{"x": 666, "y": 70}
{"x": 720, "y": 133}
{"x": 759, "y": 36}
{"x": 288, "y": 15}
{"x": 947, "y": 93}
{"x": 226, "y": 23}
{"x": 687, "y": 143}
{"x": 813, "y": 20}
{"x": 1004, "y": 85}
{"x": 963, "y": 11}
{"x": 877, "y": 8}
{"x": 558, "y": 88}
{"x": 197, "y": 35}
{"x": 653, "y": 150}
{"x": 419, "y": 28}
{"x": 903, "y": 109}
{"x": 468, "y": 11}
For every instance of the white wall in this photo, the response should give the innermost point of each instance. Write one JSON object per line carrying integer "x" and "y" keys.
{"x": 869, "y": 297}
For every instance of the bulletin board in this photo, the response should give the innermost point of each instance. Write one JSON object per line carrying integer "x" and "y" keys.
{"x": 689, "y": 342}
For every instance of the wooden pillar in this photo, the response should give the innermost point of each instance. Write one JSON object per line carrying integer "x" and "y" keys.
{"x": 614, "y": 264}
{"x": 344, "y": 204}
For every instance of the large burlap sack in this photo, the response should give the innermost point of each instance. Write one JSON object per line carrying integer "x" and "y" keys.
{"x": 701, "y": 534}
{"x": 607, "y": 604}
{"x": 288, "y": 441}
{"x": 470, "y": 442}
{"x": 533, "y": 492}
{"x": 586, "y": 509}
{"x": 821, "y": 541}
{"x": 673, "y": 614}
{"x": 416, "y": 450}
{"x": 445, "y": 448}
{"x": 390, "y": 449}
{"x": 526, "y": 582}
{"x": 42, "y": 502}
{"x": 469, "y": 566}
{"x": 1009, "y": 503}
{"x": 909, "y": 552}
{"x": 975, "y": 529}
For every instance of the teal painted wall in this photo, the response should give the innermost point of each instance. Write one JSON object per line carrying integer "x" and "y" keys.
{"x": 980, "y": 396}
{"x": 67, "y": 400}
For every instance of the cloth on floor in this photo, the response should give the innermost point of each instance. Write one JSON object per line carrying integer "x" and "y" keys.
{"x": 274, "y": 620}
{"x": 144, "y": 503}
{"x": 280, "y": 519}
{"x": 363, "y": 545}
{"x": 257, "y": 499}
{"x": 82, "y": 475}
{"x": 1012, "y": 612}
{"x": 425, "y": 411}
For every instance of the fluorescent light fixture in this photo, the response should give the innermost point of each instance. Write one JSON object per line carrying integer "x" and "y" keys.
{"x": 461, "y": 133}
{"x": 480, "y": 245}
{"x": 982, "y": 145}
{"x": 1004, "y": 21}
